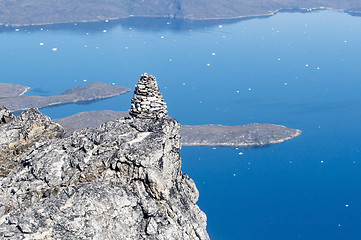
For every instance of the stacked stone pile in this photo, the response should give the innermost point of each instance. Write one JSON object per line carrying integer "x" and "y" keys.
{"x": 147, "y": 101}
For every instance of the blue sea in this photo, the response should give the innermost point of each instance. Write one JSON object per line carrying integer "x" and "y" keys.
{"x": 301, "y": 70}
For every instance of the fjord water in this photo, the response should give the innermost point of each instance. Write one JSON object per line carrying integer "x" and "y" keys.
{"x": 298, "y": 70}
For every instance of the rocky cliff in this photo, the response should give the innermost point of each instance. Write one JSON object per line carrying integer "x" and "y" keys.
{"x": 122, "y": 180}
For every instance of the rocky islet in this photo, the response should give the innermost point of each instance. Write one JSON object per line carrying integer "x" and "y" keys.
{"x": 11, "y": 96}
{"x": 252, "y": 135}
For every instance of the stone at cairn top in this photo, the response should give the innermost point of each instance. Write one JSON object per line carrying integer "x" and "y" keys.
{"x": 147, "y": 101}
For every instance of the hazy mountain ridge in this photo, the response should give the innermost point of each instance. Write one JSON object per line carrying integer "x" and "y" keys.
{"x": 30, "y": 12}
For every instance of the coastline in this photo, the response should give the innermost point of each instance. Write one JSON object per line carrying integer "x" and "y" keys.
{"x": 270, "y": 13}
{"x": 250, "y": 135}
{"x": 17, "y": 101}
{"x": 25, "y": 91}
{"x": 244, "y": 145}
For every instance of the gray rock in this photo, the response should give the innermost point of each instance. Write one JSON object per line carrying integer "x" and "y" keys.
{"x": 5, "y": 115}
{"x": 20, "y": 134}
{"x": 147, "y": 101}
{"x": 122, "y": 180}
{"x": 119, "y": 181}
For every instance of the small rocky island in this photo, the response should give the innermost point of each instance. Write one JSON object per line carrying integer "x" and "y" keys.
{"x": 121, "y": 180}
{"x": 148, "y": 102}
{"x": 251, "y": 135}
{"x": 11, "y": 95}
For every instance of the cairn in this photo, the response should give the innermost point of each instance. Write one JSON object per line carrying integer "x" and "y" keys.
{"x": 147, "y": 101}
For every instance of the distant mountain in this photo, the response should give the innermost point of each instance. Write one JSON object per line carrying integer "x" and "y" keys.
{"x": 38, "y": 12}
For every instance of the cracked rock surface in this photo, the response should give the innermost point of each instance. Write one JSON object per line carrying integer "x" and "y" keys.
{"x": 18, "y": 134}
{"x": 122, "y": 180}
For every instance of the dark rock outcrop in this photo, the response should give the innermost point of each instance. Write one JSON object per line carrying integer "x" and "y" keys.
{"x": 5, "y": 115}
{"x": 122, "y": 180}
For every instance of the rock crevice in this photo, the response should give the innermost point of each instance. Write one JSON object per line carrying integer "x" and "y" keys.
{"x": 20, "y": 133}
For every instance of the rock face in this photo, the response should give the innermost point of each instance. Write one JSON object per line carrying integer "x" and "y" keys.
{"x": 5, "y": 115}
{"x": 147, "y": 101}
{"x": 122, "y": 180}
{"x": 18, "y": 134}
